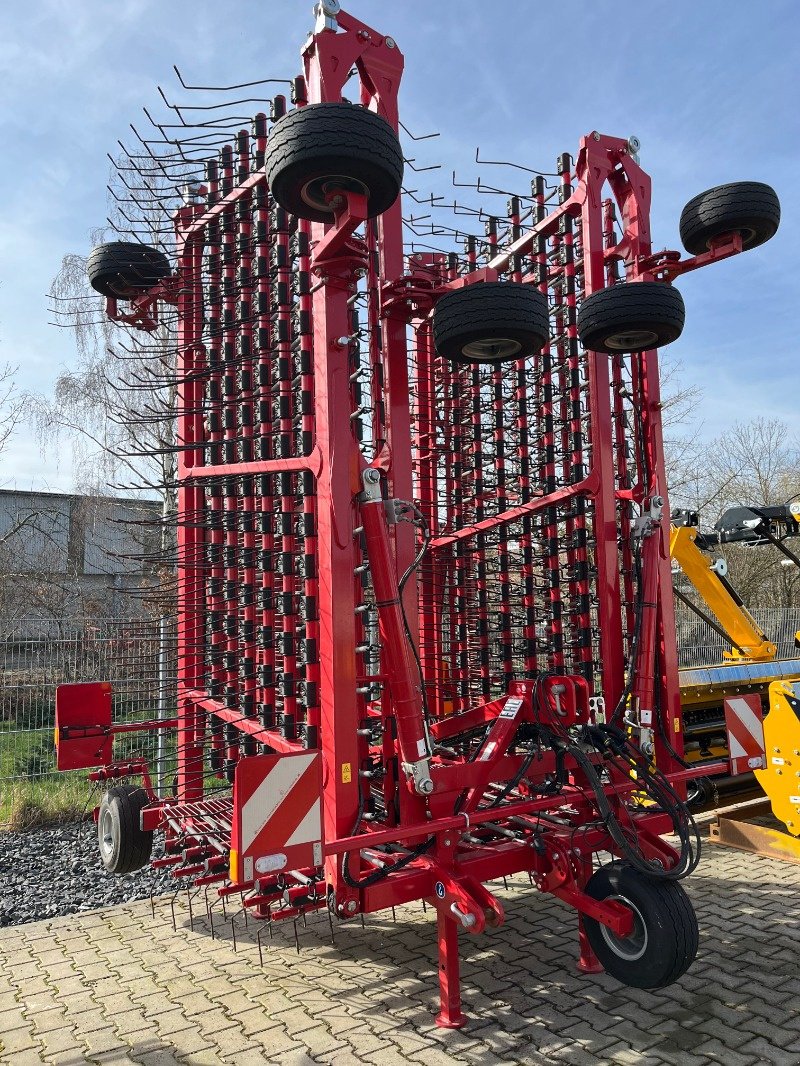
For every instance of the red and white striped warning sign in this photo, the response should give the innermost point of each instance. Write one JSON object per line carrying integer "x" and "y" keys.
{"x": 745, "y": 727}
{"x": 277, "y": 815}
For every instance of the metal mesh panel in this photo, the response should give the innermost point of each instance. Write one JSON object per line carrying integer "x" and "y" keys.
{"x": 138, "y": 657}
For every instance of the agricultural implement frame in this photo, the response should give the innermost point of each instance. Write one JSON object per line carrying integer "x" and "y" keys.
{"x": 425, "y": 607}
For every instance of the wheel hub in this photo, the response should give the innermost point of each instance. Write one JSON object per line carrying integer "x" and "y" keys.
{"x": 106, "y": 834}
{"x": 491, "y": 350}
{"x": 633, "y": 340}
{"x": 316, "y": 192}
{"x": 634, "y": 945}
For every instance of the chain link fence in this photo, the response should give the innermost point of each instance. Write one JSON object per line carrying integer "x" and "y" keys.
{"x": 136, "y": 656}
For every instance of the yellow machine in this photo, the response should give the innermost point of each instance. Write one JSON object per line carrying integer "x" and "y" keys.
{"x": 781, "y": 779}
{"x": 748, "y": 643}
{"x": 751, "y": 664}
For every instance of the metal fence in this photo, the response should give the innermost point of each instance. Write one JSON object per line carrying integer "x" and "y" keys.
{"x": 138, "y": 657}
{"x": 699, "y": 645}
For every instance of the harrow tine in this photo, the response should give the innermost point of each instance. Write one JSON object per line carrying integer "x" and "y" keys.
{"x": 330, "y": 923}
{"x": 296, "y": 936}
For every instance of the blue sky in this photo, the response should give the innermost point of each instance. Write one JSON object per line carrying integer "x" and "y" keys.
{"x": 711, "y": 88}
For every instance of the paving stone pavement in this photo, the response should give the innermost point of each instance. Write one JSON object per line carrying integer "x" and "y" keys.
{"x": 121, "y": 986}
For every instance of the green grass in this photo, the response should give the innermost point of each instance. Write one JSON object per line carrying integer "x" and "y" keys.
{"x": 32, "y": 792}
{"x": 41, "y": 801}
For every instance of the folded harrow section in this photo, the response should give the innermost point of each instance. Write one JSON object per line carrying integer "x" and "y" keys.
{"x": 425, "y": 615}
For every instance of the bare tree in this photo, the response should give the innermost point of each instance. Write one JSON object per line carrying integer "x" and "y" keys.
{"x": 683, "y": 448}
{"x": 10, "y": 404}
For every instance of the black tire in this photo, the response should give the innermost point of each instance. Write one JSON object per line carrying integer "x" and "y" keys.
{"x": 124, "y": 845}
{"x": 664, "y": 941}
{"x": 491, "y": 322}
{"x": 750, "y": 208}
{"x": 124, "y": 270}
{"x": 320, "y": 147}
{"x": 631, "y": 318}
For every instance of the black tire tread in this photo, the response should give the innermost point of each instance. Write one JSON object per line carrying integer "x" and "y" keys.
{"x": 135, "y": 845}
{"x": 676, "y": 907}
{"x": 314, "y": 134}
{"x": 715, "y": 212}
{"x": 490, "y": 305}
{"x": 135, "y": 265}
{"x": 617, "y": 307}
{"x": 337, "y": 131}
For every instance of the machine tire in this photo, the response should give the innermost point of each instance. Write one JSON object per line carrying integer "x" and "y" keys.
{"x": 491, "y": 322}
{"x": 124, "y": 845}
{"x": 663, "y": 944}
{"x": 333, "y": 145}
{"x": 631, "y": 317}
{"x": 123, "y": 270}
{"x": 750, "y": 208}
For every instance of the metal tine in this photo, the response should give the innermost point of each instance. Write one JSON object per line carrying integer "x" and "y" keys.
{"x": 296, "y": 936}
{"x": 259, "y": 934}
{"x": 172, "y": 909}
{"x": 330, "y": 923}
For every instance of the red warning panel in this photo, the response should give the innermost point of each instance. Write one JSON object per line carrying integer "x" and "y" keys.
{"x": 277, "y": 815}
{"x": 743, "y": 720}
{"x": 83, "y": 725}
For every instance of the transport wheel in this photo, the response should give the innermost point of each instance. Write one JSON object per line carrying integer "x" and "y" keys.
{"x": 315, "y": 149}
{"x": 491, "y": 322}
{"x": 663, "y": 942}
{"x": 124, "y": 846}
{"x": 749, "y": 208}
{"x": 631, "y": 318}
{"x": 124, "y": 269}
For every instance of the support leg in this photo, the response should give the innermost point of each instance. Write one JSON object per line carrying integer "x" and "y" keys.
{"x": 588, "y": 962}
{"x": 449, "y": 1016}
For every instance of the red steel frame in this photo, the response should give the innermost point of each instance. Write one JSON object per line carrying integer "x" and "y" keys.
{"x": 290, "y": 558}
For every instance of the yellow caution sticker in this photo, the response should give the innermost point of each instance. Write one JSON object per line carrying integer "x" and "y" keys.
{"x": 347, "y": 773}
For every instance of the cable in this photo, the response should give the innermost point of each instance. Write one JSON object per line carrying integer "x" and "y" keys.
{"x": 426, "y": 540}
{"x": 378, "y": 875}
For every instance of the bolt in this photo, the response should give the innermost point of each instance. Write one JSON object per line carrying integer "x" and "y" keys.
{"x": 342, "y": 342}
{"x": 351, "y": 906}
{"x": 390, "y": 42}
{"x": 372, "y": 475}
{"x": 556, "y": 856}
{"x": 596, "y": 135}
{"x": 447, "y": 842}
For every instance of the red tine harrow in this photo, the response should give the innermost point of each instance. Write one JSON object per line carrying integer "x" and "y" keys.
{"x": 425, "y": 612}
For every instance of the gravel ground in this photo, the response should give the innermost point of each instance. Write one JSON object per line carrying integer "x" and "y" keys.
{"x": 45, "y": 873}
